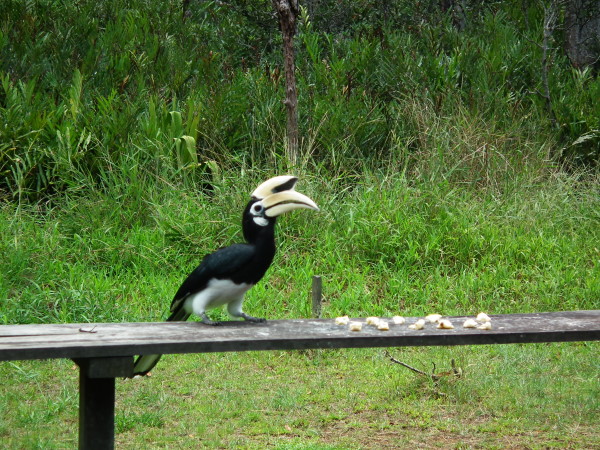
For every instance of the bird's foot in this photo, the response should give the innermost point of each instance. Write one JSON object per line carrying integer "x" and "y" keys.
{"x": 207, "y": 321}
{"x": 253, "y": 319}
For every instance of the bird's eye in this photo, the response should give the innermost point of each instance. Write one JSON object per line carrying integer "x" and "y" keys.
{"x": 257, "y": 208}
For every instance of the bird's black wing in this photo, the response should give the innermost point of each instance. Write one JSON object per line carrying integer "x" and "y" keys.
{"x": 224, "y": 263}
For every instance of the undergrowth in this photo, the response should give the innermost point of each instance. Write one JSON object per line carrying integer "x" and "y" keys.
{"x": 187, "y": 93}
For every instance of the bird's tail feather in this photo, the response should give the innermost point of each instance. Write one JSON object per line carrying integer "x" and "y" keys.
{"x": 145, "y": 363}
{"x": 180, "y": 314}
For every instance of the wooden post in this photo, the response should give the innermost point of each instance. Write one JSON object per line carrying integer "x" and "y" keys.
{"x": 97, "y": 400}
{"x": 317, "y": 291}
{"x": 96, "y": 413}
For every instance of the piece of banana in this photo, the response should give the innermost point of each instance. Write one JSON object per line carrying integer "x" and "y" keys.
{"x": 355, "y": 326}
{"x": 383, "y": 326}
{"x": 373, "y": 321}
{"x": 470, "y": 323}
{"x": 418, "y": 325}
{"x": 445, "y": 324}
{"x": 433, "y": 318}
{"x": 483, "y": 317}
{"x": 344, "y": 320}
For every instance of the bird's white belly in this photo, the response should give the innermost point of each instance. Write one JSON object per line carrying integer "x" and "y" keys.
{"x": 216, "y": 293}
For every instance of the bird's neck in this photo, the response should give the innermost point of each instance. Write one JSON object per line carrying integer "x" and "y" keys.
{"x": 264, "y": 240}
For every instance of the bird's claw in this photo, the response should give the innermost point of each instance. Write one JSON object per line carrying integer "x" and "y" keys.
{"x": 205, "y": 320}
{"x": 253, "y": 319}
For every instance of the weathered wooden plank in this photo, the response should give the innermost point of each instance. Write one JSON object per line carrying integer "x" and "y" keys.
{"x": 126, "y": 339}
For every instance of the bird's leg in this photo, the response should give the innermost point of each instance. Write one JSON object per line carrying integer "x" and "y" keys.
{"x": 235, "y": 310}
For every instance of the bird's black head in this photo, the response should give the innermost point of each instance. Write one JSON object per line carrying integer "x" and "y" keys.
{"x": 255, "y": 222}
{"x": 272, "y": 198}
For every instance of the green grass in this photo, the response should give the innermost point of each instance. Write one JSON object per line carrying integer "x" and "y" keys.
{"x": 386, "y": 245}
{"x": 526, "y": 396}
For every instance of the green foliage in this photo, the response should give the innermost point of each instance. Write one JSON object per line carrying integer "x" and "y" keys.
{"x": 579, "y": 116}
{"x": 88, "y": 85}
{"x": 414, "y": 125}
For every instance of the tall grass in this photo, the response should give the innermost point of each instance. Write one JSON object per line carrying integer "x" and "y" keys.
{"x": 86, "y": 85}
{"x": 384, "y": 243}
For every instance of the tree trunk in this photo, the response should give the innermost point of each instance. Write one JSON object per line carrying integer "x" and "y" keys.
{"x": 457, "y": 9}
{"x": 550, "y": 19}
{"x": 582, "y": 33}
{"x": 287, "y": 10}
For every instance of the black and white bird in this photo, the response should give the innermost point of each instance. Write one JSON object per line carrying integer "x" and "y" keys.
{"x": 223, "y": 277}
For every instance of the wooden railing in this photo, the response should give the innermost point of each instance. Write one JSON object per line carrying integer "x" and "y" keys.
{"x": 105, "y": 351}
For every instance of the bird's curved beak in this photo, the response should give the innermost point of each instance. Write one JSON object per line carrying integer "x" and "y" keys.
{"x": 282, "y": 202}
{"x": 278, "y": 196}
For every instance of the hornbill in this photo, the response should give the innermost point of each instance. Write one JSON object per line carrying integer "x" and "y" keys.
{"x": 223, "y": 277}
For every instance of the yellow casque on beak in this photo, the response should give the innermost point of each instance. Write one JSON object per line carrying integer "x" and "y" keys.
{"x": 282, "y": 202}
{"x": 274, "y": 185}
{"x": 277, "y": 195}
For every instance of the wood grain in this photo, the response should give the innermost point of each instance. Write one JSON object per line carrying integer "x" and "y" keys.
{"x": 100, "y": 340}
